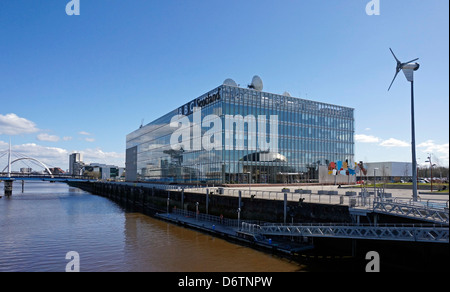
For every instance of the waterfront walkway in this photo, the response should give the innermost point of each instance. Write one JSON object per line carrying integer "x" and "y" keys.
{"x": 202, "y": 221}
{"x": 232, "y": 229}
{"x": 262, "y": 233}
{"x": 430, "y": 207}
{"x": 326, "y": 194}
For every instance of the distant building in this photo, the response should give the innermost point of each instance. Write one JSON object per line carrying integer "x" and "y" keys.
{"x": 389, "y": 171}
{"x": 26, "y": 170}
{"x": 56, "y": 170}
{"x": 75, "y": 164}
{"x": 104, "y": 171}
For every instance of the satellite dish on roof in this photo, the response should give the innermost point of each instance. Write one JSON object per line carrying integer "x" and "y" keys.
{"x": 257, "y": 83}
{"x": 287, "y": 94}
{"x": 230, "y": 82}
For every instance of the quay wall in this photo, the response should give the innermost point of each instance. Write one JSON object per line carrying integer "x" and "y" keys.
{"x": 150, "y": 200}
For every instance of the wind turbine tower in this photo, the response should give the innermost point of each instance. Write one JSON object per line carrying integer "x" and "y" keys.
{"x": 408, "y": 69}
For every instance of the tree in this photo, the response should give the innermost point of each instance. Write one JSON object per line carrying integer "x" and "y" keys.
{"x": 93, "y": 174}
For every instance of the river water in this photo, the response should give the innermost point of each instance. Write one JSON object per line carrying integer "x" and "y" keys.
{"x": 40, "y": 225}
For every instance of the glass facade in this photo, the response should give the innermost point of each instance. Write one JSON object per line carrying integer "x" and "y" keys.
{"x": 226, "y": 136}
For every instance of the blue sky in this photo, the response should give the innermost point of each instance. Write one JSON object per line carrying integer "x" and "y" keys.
{"x": 82, "y": 83}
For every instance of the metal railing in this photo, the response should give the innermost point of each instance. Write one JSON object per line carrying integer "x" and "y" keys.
{"x": 402, "y": 232}
{"x": 291, "y": 196}
{"x": 235, "y": 223}
{"x": 426, "y": 212}
{"x": 428, "y": 203}
{"x": 207, "y": 217}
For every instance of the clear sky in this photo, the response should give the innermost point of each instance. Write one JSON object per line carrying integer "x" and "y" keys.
{"x": 82, "y": 83}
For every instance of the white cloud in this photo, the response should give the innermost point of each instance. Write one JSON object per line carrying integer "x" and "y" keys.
{"x": 67, "y": 138}
{"x": 47, "y": 137}
{"x": 51, "y": 156}
{"x": 431, "y": 147}
{"x": 366, "y": 138}
{"x": 32, "y": 150}
{"x": 58, "y": 157}
{"x": 84, "y": 133}
{"x": 428, "y": 143}
{"x": 441, "y": 151}
{"x": 87, "y": 139}
{"x": 392, "y": 142}
{"x": 11, "y": 124}
{"x": 99, "y": 156}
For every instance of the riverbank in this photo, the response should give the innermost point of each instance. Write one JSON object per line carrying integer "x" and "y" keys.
{"x": 329, "y": 254}
{"x": 161, "y": 203}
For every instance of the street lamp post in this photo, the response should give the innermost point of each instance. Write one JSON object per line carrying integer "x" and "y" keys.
{"x": 196, "y": 211}
{"x": 384, "y": 177}
{"x": 168, "y": 202}
{"x": 239, "y": 218}
{"x": 374, "y": 183}
{"x": 249, "y": 183}
{"x": 431, "y": 170}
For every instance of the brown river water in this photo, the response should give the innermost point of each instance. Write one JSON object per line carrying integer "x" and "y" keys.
{"x": 41, "y": 225}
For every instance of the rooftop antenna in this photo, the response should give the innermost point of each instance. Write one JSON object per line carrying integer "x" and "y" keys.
{"x": 256, "y": 84}
{"x": 230, "y": 82}
{"x": 142, "y": 123}
{"x": 408, "y": 69}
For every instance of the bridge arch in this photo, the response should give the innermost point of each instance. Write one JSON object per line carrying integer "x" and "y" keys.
{"x": 32, "y": 159}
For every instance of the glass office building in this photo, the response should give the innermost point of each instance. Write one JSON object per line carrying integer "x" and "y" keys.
{"x": 234, "y": 135}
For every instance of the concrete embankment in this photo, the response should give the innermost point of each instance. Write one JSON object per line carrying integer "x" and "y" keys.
{"x": 152, "y": 200}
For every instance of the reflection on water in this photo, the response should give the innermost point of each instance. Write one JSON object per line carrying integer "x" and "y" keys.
{"x": 38, "y": 227}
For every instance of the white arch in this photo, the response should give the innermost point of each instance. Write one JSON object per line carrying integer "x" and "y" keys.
{"x": 29, "y": 158}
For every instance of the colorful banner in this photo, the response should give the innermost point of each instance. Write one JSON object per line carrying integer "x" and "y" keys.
{"x": 344, "y": 168}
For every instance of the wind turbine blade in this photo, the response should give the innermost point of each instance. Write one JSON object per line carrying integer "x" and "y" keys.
{"x": 395, "y": 76}
{"x": 394, "y": 56}
{"x": 412, "y": 61}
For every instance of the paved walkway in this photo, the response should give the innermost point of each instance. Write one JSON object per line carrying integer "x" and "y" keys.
{"x": 340, "y": 198}
{"x": 397, "y": 193}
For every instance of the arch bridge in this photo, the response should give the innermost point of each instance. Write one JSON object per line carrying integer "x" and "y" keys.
{"x": 8, "y": 182}
{"x": 27, "y": 158}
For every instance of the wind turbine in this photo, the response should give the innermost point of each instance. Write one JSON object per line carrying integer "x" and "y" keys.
{"x": 408, "y": 69}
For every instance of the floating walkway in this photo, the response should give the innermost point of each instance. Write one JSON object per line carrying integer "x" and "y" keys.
{"x": 261, "y": 233}
{"x": 229, "y": 229}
